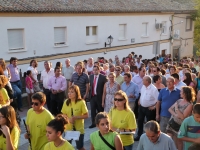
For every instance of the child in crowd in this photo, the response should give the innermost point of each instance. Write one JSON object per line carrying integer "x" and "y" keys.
{"x": 37, "y": 119}
{"x": 29, "y": 86}
{"x": 55, "y": 129}
{"x": 9, "y": 129}
{"x": 103, "y": 123}
{"x": 189, "y": 131}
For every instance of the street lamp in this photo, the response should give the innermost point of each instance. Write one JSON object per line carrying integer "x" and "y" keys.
{"x": 110, "y": 40}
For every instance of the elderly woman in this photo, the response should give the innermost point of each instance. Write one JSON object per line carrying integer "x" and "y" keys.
{"x": 106, "y": 68}
{"x": 90, "y": 65}
{"x": 157, "y": 79}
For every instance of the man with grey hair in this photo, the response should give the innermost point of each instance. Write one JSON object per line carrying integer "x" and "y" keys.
{"x": 147, "y": 102}
{"x": 46, "y": 74}
{"x": 127, "y": 70}
{"x": 67, "y": 72}
{"x": 167, "y": 97}
{"x": 154, "y": 139}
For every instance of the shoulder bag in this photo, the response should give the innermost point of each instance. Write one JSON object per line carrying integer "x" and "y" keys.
{"x": 106, "y": 142}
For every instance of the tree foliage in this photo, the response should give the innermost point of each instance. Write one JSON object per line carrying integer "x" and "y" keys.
{"x": 196, "y": 17}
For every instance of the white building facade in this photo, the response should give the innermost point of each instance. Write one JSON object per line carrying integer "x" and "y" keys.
{"x": 57, "y": 36}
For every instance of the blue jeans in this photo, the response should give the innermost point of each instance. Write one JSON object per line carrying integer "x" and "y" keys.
{"x": 17, "y": 87}
{"x": 129, "y": 147}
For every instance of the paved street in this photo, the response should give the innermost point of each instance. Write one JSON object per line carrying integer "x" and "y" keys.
{"x": 23, "y": 145}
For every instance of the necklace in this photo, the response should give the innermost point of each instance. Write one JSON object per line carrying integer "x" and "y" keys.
{"x": 59, "y": 144}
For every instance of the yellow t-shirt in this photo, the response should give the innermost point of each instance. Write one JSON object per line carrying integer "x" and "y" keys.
{"x": 4, "y": 98}
{"x": 65, "y": 146}
{"x": 79, "y": 109}
{"x": 124, "y": 119}
{"x": 37, "y": 125}
{"x": 15, "y": 134}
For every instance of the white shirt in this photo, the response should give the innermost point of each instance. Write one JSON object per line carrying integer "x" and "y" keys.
{"x": 138, "y": 64}
{"x": 45, "y": 76}
{"x": 138, "y": 80}
{"x": 34, "y": 72}
{"x": 149, "y": 95}
{"x": 89, "y": 69}
{"x": 68, "y": 72}
{"x": 180, "y": 84}
{"x": 95, "y": 88}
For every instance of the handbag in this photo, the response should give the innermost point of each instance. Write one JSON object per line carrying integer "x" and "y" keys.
{"x": 106, "y": 142}
{"x": 174, "y": 125}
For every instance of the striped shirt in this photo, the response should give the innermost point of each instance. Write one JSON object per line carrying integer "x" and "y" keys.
{"x": 80, "y": 81}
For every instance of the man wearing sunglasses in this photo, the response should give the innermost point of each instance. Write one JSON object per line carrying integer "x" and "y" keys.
{"x": 37, "y": 119}
{"x": 57, "y": 85}
{"x": 156, "y": 71}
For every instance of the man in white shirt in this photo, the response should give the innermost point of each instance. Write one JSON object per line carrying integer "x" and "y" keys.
{"x": 178, "y": 82}
{"x": 147, "y": 102}
{"x": 67, "y": 72}
{"x": 138, "y": 63}
{"x": 46, "y": 74}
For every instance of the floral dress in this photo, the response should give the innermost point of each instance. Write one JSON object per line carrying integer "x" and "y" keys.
{"x": 110, "y": 91}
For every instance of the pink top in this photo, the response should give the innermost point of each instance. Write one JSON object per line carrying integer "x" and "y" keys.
{"x": 28, "y": 81}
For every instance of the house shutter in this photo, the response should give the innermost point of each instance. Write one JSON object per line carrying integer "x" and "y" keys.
{"x": 59, "y": 35}
{"x": 15, "y": 39}
{"x": 121, "y": 31}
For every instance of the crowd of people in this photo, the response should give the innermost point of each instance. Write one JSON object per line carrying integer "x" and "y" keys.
{"x": 162, "y": 93}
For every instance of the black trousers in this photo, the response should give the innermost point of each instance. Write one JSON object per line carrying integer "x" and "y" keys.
{"x": 145, "y": 112}
{"x": 56, "y": 103}
{"x": 96, "y": 107}
{"x": 136, "y": 107}
{"x": 47, "y": 92}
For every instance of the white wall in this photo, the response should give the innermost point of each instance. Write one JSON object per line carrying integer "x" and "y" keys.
{"x": 186, "y": 45}
{"x": 39, "y": 32}
{"x": 145, "y": 51}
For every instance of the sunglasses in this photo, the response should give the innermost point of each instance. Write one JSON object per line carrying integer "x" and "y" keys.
{"x": 118, "y": 99}
{"x": 36, "y": 104}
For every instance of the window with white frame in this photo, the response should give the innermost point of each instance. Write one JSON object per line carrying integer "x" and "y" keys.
{"x": 188, "y": 24}
{"x": 145, "y": 29}
{"x": 60, "y": 36}
{"x": 91, "y": 34}
{"x": 122, "y": 31}
{"x": 164, "y": 27}
{"x": 15, "y": 39}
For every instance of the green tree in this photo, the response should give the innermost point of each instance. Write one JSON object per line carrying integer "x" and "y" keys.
{"x": 196, "y": 17}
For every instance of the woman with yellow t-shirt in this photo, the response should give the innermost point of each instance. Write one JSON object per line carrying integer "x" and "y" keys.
{"x": 54, "y": 129}
{"x": 105, "y": 133}
{"x": 75, "y": 109}
{"x": 123, "y": 119}
{"x": 4, "y": 98}
{"x": 9, "y": 129}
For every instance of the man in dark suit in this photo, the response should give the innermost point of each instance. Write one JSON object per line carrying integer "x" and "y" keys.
{"x": 97, "y": 82}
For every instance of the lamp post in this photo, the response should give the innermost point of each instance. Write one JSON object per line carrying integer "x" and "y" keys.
{"x": 110, "y": 40}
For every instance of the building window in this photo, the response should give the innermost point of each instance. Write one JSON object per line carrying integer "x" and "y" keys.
{"x": 145, "y": 29}
{"x": 60, "y": 36}
{"x": 164, "y": 27}
{"x": 122, "y": 31}
{"x": 188, "y": 24}
{"x": 15, "y": 39}
{"x": 91, "y": 34}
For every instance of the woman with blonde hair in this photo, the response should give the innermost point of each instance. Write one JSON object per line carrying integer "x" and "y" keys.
{"x": 76, "y": 110}
{"x": 123, "y": 119}
{"x": 6, "y": 70}
{"x": 110, "y": 88}
{"x": 4, "y": 98}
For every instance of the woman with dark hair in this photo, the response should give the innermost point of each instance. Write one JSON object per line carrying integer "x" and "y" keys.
{"x": 123, "y": 119}
{"x": 29, "y": 86}
{"x": 55, "y": 129}
{"x": 103, "y": 124}
{"x": 76, "y": 110}
{"x": 188, "y": 80}
{"x": 59, "y": 64}
{"x": 9, "y": 129}
{"x": 33, "y": 68}
{"x": 179, "y": 111}
{"x": 157, "y": 79}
